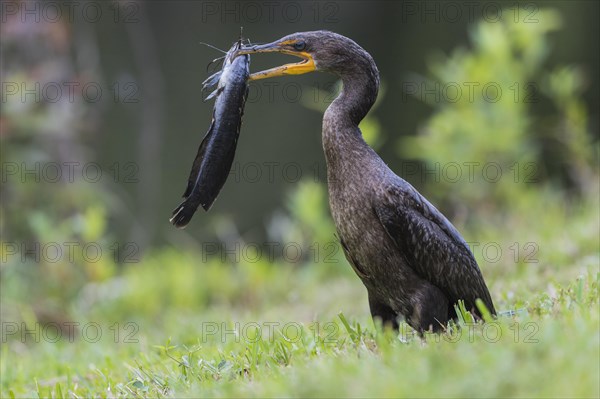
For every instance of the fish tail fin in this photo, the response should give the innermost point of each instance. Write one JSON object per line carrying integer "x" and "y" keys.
{"x": 183, "y": 214}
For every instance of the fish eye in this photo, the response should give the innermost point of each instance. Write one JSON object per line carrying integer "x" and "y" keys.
{"x": 299, "y": 46}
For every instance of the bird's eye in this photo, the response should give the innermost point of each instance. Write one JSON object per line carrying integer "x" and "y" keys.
{"x": 299, "y": 46}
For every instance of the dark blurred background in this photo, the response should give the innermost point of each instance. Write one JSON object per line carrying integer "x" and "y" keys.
{"x": 144, "y": 128}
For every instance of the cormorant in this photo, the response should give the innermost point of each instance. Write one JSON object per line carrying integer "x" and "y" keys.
{"x": 411, "y": 259}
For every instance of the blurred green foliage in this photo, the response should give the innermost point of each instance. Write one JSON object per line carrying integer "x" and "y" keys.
{"x": 487, "y": 117}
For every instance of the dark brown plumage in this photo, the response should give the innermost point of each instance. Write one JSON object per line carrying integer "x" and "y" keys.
{"x": 411, "y": 259}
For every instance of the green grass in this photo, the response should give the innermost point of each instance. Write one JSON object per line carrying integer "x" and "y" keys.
{"x": 175, "y": 325}
{"x": 181, "y": 342}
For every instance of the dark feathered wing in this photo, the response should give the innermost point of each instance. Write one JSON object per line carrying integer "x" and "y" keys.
{"x": 432, "y": 247}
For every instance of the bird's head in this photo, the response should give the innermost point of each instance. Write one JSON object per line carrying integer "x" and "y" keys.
{"x": 319, "y": 50}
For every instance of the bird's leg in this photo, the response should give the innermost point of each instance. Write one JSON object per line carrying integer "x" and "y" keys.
{"x": 383, "y": 312}
{"x": 430, "y": 309}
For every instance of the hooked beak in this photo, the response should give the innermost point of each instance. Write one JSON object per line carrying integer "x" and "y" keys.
{"x": 306, "y": 65}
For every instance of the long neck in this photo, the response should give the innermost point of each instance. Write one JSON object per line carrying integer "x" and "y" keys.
{"x": 357, "y": 96}
{"x": 342, "y": 139}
